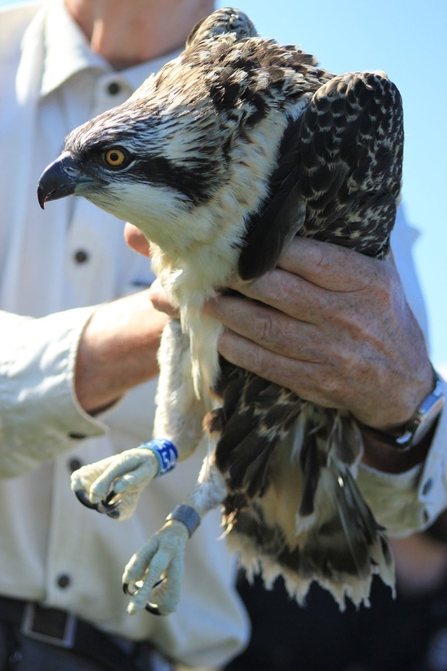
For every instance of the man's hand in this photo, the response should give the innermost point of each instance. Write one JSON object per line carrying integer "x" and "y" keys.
{"x": 333, "y": 326}
{"x": 117, "y": 350}
{"x": 136, "y": 240}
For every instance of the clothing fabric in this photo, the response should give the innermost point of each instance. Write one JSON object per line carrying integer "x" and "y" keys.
{"x": 54, "y": 266}
{"x": 20, "y": 652}
{"x": 402, "y": 634}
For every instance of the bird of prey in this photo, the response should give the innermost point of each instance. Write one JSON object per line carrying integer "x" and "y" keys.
{"x": 231, "y": 150}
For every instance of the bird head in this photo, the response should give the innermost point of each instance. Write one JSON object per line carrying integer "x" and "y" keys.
{"x": 150, "y": 160}
{"x": 194, "y": 147}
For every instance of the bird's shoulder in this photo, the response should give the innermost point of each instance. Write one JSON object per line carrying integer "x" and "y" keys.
{"x": 230, "y": 70}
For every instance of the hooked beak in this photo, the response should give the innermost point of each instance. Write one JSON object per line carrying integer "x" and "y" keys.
{"x": 59, "y": 179}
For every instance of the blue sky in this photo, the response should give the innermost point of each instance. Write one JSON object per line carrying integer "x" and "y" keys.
{"x": 406, "y": 38}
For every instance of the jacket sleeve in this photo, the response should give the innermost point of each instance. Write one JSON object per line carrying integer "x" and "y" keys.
{"x": 410, "y": 501}
{"x": 39, "y": 414}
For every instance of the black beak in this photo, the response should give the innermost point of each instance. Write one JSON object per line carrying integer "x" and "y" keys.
{"x": 60, "y": 179}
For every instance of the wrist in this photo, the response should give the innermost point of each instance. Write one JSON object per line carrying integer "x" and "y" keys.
{"x": 117, "y": 351}
{"x": 412, "y": 432}
{"x": 385, "y": 458}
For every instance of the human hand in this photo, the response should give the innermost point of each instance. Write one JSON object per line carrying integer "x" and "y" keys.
{"x": 333, "y": 326}
{"x": 117, "y": 350}
{"x": 136, "y": 240}
{"x": 157, "y": 295}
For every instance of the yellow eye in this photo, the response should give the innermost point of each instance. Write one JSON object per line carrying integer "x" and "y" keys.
{"x": 115, "y": 157}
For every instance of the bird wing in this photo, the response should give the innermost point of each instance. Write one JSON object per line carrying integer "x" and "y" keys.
{"x": 297, "y": 511}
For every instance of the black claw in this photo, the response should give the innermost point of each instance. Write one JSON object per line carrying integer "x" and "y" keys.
{"x": 152, "y": 608}
{"x": 103, "y": 507}
{"x": 81, "y": 496}
{"x": 130, "y": 590}
{"x": 106, "y": 507}
{"x": 114, "y": 514}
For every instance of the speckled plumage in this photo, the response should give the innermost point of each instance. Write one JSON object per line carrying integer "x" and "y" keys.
{"x": 235, "y": 147}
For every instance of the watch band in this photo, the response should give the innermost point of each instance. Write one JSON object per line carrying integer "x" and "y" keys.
{"x": 419, "y": 425}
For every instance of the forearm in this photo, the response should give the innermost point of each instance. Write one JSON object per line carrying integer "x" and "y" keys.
{"x": 40, "y": 417}
{"x": 117, "y": 350}
{"x": 57, "y": 371}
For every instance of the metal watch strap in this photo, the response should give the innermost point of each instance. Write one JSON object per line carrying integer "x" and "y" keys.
{"x": 419, "y": 425}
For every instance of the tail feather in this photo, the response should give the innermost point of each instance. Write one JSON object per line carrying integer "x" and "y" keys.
{"x": 312, "y": 524}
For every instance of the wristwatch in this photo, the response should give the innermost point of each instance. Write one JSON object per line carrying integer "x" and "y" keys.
{"x": 419, "y": 425}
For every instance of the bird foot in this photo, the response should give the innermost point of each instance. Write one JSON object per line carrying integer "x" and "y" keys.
{"x": 153, "y": 577}
{"x": 113, "y": 485}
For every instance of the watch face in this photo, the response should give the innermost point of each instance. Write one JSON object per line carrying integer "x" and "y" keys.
{"x": 427, "y": 414}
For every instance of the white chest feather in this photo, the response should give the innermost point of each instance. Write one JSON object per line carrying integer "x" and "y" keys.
{"x": 196, "y": 252}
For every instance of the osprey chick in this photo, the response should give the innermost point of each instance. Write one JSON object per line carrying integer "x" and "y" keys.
{"x": 232, "y": 149}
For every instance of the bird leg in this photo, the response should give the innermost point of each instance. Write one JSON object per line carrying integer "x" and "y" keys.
{"x": 153, "y": 577}
{"x": 113, "y": 485}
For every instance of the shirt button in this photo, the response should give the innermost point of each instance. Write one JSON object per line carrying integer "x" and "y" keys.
{"x": 63, "y": 581}
{"x": 113, "y": 88}
{"x": 74, "y": 465}
{"x": 81, "y": 256}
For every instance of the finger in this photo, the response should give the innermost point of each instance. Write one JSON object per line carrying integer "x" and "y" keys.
{"x": 329, "y": 266}
{"x": 270, "y": 328}
{"x": 252, "y": 357}
{"x": 159, "y": 299}
{"x": 306, "y": 379}
{"x": 289, "y": 294}
{"x": 136, "y": 240}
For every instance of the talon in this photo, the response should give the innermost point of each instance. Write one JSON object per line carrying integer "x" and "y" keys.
{"x": 152, "y": 608}
{"x": 81, "y": 496}
{"x": 103, "y": 507}
{"x": 130, "y": 588}
{"x": 114, "y": 514}
{"x": 107, "y": 508}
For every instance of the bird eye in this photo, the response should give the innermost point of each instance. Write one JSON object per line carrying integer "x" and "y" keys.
{"x": 115, "y": 158}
